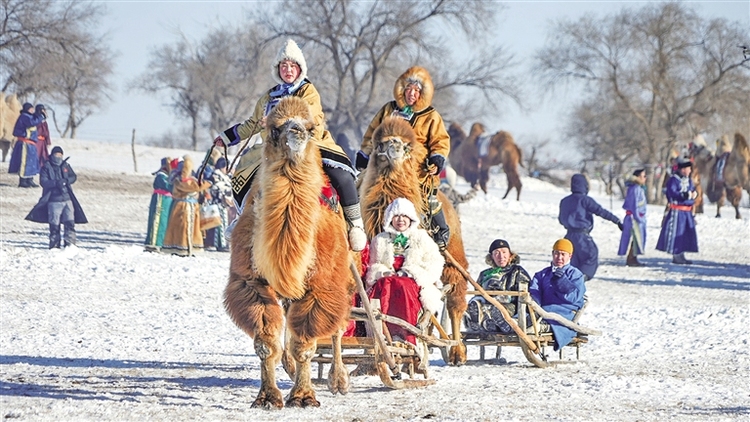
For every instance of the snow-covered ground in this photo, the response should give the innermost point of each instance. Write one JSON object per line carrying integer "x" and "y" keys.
{"x": 110, "y": 332}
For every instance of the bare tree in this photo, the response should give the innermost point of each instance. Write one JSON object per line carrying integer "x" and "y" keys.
{"x": 359, "y": 48}
{"x": 661, "y": 68}
{"x": 174, "y": 68}
{"x": 49, "y": 51}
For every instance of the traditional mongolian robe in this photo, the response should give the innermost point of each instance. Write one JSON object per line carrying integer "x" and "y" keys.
{"x": 24, "y": 160}
{"x": 634, "y": 224}
{"x": 159, "y": 210}
{"x": 184, "y": 235}
{"x": 678, "y": 227}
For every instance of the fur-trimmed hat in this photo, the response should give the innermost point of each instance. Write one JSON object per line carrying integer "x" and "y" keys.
{"x": 400, "y": 206}
{"x": 290, "y": 51}
{"x": 563, "y": 245}
{"x": 414, "y": 75}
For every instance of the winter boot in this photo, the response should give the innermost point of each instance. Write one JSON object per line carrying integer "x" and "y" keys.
{"x": 54, "y": 236}
{"x": 679, "y": 258}
{"x": 70, "y": 233}
{"x": 443, "y": 233}
{"x": 473, "y": 319}
{"x": 31, "y": 183}
{"x": 632, "y": 261}
{"x": 23, "y": 182}
{"x": 357, "y": 236}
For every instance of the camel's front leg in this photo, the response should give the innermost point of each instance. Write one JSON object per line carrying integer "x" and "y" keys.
{"x": 456, "y": 305}
{"x": 338, "y": 377}
{"x": 254, "y": 307}
{"x": 302, "y": 394}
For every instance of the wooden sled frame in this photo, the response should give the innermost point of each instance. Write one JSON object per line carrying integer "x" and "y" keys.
{"x": 532, "y": 342}
{"x": 380, "y": 351}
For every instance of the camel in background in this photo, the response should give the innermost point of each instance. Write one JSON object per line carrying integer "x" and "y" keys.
{"x": 10, "y": 109}
{"x": 727, "y": 181}
{"x": 473, "y": 155}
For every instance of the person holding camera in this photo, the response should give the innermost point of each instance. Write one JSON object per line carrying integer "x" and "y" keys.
{"x": 24, "y": 159}
{"x": 58, "y": 205}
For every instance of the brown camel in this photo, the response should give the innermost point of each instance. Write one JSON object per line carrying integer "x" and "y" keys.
{"x": 394, "y": 172}
{"x": 734, "y": 176}
{"x": 473, "y": 162}
{"x": 10, "y": 108}
{"x": 287, "y": 247}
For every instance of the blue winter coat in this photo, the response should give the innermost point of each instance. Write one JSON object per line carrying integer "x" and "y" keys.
{"x": 634, "y": 224}
{"x": 562, "y": 296}
{"x": 24, "y": 160}
{"x": 678, "y": 227}
{"x": 577, "y": 216}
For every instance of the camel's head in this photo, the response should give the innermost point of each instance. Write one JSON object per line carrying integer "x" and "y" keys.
{"x": 290, "y": 128}
{"x": 394, "y": 143}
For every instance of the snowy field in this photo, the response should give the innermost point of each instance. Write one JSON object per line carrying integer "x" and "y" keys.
{"x": 112, "y": 333}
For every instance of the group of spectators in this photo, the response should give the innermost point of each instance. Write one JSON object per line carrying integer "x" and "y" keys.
{"x": 178, "y": 221}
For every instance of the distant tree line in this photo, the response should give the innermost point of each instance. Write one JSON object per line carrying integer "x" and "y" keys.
{"x": 49, "y": 51}
{"x": 654, "y": 78}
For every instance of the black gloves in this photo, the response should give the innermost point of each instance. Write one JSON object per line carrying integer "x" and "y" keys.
{"x": 619, "y": 225}
{"x": 361, "y": 160}
{"x": 62, "y": 183}
{"x": 437, "y": 161}
{"x": 685, "y": 195}
{"x": 558, "y": 272}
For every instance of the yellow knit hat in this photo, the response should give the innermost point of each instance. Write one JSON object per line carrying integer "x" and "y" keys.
{"x": 563, "y": 245}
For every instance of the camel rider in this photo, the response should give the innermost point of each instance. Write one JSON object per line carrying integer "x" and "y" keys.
{"x": 290, "y": 71}
{"x": 412, "y": 95}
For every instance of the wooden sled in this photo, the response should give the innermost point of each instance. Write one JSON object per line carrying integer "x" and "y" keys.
{"x": 531, "y": 342}
{"x": 387, "y": 356}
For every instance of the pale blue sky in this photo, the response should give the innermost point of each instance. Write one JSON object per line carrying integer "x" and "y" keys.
{"x": 136, "y": 27}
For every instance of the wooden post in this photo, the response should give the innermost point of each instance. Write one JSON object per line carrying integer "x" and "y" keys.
{"x": 132, "y": 148}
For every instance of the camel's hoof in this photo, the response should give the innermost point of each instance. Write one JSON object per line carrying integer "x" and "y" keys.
{"x": 271, "y": 400}
{"x": 338, "y": 383}
{"x": 309, "y": 401}
{"x": 457, "y": 356}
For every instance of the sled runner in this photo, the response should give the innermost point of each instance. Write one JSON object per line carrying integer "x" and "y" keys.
{"x": 530, "y": 340}
{"x": 388, "y": 356}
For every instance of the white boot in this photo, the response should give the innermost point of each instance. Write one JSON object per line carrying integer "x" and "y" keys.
{"x": 357, "y": 236}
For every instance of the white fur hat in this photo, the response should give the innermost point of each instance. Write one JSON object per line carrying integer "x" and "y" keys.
{"x": 400, "y": 206}
{"x": 290, "y": 51}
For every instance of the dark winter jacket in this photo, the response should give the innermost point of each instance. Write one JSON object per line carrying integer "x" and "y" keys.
{"x": 561, "y": 295}
{"x": 507, "y": 279}
{"x": 577, "y": 216}
{"x": 577, "y": 210}
{"x": 56, "y": 181}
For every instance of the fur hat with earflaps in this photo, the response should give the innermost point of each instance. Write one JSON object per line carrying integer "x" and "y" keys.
{"x": 419, "y": 76}
{"x": 290, "y": 51}
{"x": 400, "y": 206}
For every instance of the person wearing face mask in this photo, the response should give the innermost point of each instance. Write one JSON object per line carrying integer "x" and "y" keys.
{"x": 58, "y": 205}
{"x": 505, "y": 273}
{"x": 290, "y": 71}
{"x": 559, "y": 288}
{"x": 412, "y": 95}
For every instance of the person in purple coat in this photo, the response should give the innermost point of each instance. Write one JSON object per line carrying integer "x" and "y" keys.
{"x": 678, "y": 234}
{"x": 577, "y": 212}
{"x": 559, "y": 288}
{"x": 633, "y": 239}
{"x": 24, "y": 160}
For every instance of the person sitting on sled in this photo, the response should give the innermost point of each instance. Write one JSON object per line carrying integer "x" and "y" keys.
{"x": 404, "y": 268}
{"x": 559, "y": 288}
{"x": 505, "y": 273}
